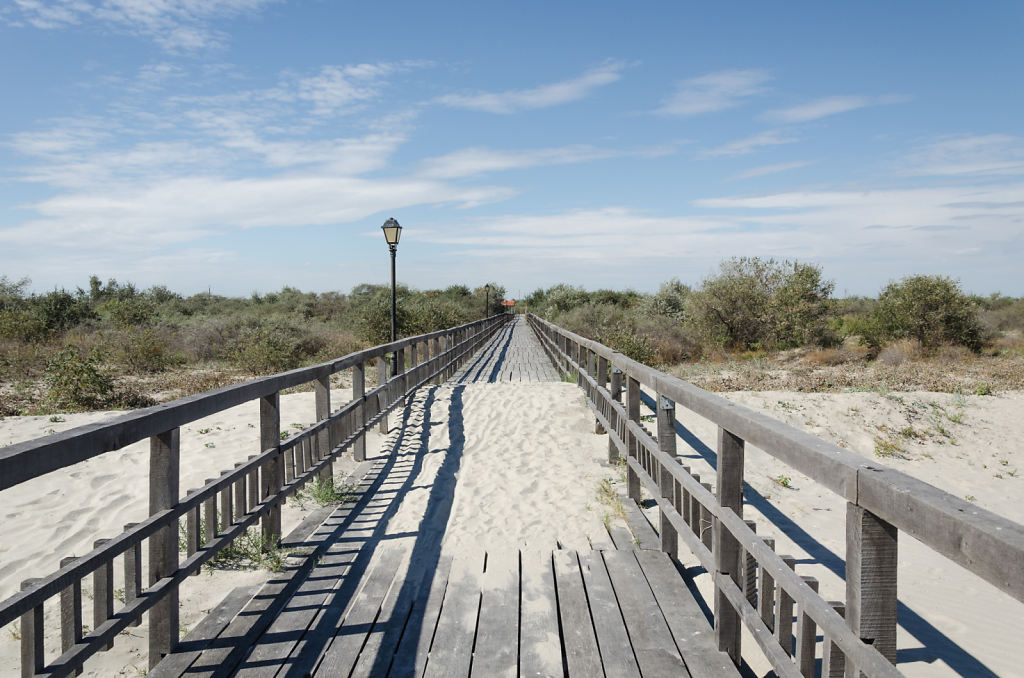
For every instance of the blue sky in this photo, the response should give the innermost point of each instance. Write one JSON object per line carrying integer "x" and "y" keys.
{"x": 243, "y": 145}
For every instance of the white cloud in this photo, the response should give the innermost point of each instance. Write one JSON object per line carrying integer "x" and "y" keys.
{"x": 715, "y": 92}
{"x": 544, "y": 96}
{"x": 338, "y": 88}
{"x": 173, "y": 24}
{"x": 820, "y": 108}
{"x": 764, "y": 170}
{"x": 478, "y": 160}
{"x": 978, "y": 155}
{"x": 750, "y": 144}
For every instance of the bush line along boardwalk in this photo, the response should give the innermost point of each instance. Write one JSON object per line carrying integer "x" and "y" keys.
{"x": 347, "y": 604}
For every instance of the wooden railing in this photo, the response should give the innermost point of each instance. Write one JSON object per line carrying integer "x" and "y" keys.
{"x": 225, "y": 507}
{"x": 752, "y": 584}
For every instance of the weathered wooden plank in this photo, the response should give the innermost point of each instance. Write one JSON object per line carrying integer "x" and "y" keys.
{"x": 643, "y": 533}
{"x": 497, "y": 638}
{"x": 653, "y": 645}
{"x": 540, "y": 647}
{"x": 341, "y": 656}
{"x": 612, "y": 638}
{"x": 204, "y": 633}
{"x": 871, "y": 559}
{"x": 414, "y": 648}
{"x": 689, "y": 627}
{"x": 727, "y": 549}
{"x": 163, "y": 547}
{"x": 451, "y": 653}
{"x": 578, "y": 637}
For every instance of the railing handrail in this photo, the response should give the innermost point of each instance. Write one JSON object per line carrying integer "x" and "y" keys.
{"x": 30, "y": 459}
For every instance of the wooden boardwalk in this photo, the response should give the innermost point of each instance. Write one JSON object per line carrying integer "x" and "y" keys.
{"x": 514, "y": 354}
{"x": 356, "y": 600}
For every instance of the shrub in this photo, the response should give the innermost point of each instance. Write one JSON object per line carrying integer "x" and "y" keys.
{"x": 130, "y": 312}
{"x": 901, "y": 351}
{"x": 145, "y": 351}
{"x": 669, "y": 301}
{"x": 76, "y": 382}
{"x": 22, "y": 324}
{"x": 635, "y": 346}
{"x": 929, "y": 308}
{"x": 754, "y": 303}
{"x": 59, "y": 310}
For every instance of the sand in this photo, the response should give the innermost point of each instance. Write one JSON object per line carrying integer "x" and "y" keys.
{"x": 520, "y": 464}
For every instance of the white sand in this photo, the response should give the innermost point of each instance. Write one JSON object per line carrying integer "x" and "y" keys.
{"x": 522, "y": 467}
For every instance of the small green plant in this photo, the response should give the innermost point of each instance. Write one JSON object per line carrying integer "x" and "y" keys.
{"x": 983, "y": 389}
{"x": 284, "y": 435}
{"x": 971, "y": 497}
{"x": 56, "y": 419}
{"x": 119, "y": 595}
{"x": 324, "y": 492}
{"x": 888, "y": 448}
{"x": 15, "y": 631}
{"x": 783, "y": 481}
{"x": 210, "y": 445}
{"x": 204, "y": 431}
{"x": 569, "y": 377}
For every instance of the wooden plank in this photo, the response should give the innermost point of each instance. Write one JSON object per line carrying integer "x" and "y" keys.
{"x": 727, "y": 550}
{"x": 621, "y": 536}
{"x": 612, "y": 639}
{"x": 412, "y": 652}
{"x": 689, "y": 627}
{"x": 341, "y": 656}
{"x": 408, "y": 593}
{"x": 871, "y": 559}
{"x": 497, "y": 638}
{"x": 579, "y": 640}
{"x": 451, "y": 653}
{"x": 643, "y": 533}
{"x": 164, "y": 461}
{"x": 653, "y": 644}
{"x": 540, "y": 648}
{"x": 204, "y": 633}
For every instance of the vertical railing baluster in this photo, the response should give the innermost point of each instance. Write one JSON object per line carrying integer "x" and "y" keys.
{"x": 239, "y": 495}
{"x": 252, "y": 485}
{"x": 784, "y": 612}
{"x": 749, "y": 565}
{"x": 132, "y": 566}
{"x": 616, "y": 393}
{"x": 666, "y": 483}
{"x": 270, "y": 439}
{"x": 806, "y": 637}
{"x": 727, "y": 548}
{"x": 209, "y": 521}
{"x": 322, "y": 391}
{"x": 102, "y": 593}
{"x": 382, "y": 379}
{"x": 766, "y": 591}
{"x": 706, "y": 524}
{"x": 632, "y": 444}
{"x": 833, "y": 661}
{"x": 32, "y": 655}
{"x": 71, "y": 612}
{"x": 164, "y": 451}
{"x": 358, "y": 391}
{"x": 225, "y": 507}
{"x": 191, "y": 530}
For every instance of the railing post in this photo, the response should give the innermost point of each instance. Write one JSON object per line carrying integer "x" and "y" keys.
{"x": 270, "y": 438}
{"x": 726, "y": 547}
{"x": 632, "y": 444}
{"x": 871, "y": 550}
{"x": 382, "y": 378}
{"x": 358, "y": 390}
{"x": 601, "y": 376}
{"x": 103, "y": 593}
{"x": 616, "y": 392}
{"x": 322, "y": 390}
{"x": 71, "y": 613}
{"x": 32, "y": 655}
{"x": 436, "y": 341}
{"x": 667, "y": 444}
{"x": 400, "y": 373}
{"x": 164, "y": 460}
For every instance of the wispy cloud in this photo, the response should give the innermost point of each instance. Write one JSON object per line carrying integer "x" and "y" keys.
{"x": 478, "y": 160}
{"x": 764, "y": 170}
{"x": 975, "y": 155}
{"x": 820, "y": 108}
{"x": 338, "y": 89}
{"x": 772, "y": 137}
{"x": 173, "y": 24}
{"x": 544, "y": 96}
{"x": 715, "y": 92}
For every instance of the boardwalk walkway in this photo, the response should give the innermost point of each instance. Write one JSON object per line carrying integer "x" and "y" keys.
{"x": 375, "y": 588}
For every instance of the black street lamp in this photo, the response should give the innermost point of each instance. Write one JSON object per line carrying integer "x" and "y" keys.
{"x": 487, "y": 299}
{"x": 392, "y": 232}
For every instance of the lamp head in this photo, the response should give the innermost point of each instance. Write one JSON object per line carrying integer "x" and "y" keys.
{"x": 392, "y": 232}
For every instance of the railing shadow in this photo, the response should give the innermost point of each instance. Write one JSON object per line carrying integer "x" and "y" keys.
{"x": 937, "y": 645}
{"x": 497, "y": 345}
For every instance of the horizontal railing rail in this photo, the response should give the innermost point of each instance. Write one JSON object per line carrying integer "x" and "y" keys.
{"x": 752, "y": 584}
{"x": 224, "y": 508}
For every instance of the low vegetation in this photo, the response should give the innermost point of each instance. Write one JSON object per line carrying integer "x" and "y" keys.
{"x": 754, "y": 324}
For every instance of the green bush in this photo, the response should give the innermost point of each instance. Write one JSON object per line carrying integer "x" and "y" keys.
{"x": 275, "y": 347}
{"x": 76, "y": 382}
{"x": 755, "y": 304}
{"x": 929, "y": 308}
{"x": 130, "y": 312}
{"x": 145, "y": 351}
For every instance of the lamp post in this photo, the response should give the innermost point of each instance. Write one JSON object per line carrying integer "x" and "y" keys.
{"x": 392, "y": 232}
{"x": 487, "y": 299}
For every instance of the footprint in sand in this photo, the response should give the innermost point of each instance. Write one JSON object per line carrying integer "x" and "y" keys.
{"x": 100, "y": 481}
